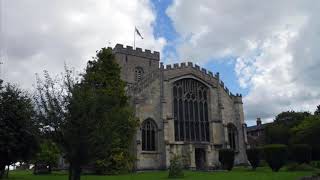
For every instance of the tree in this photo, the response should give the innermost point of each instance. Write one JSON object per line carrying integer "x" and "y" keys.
{"x": 307, "y": 132}
{"x": 18, "y": 128}
{"x": 49, "y": 154}
{"x": 51, "y": 98}
{"x": 100, "y": 124}
{"x": 317, "y": 112}
{"x": 279, "y": 132}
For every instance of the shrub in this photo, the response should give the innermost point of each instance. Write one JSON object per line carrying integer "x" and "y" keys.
{"x": 301, "y": 153}
{"x": 275, "y": 155}
{"x": 253, "y": 155}
{"x": 226, "y": 158}
{"x": 299, "y": 167}
{"x": 315, "y": 164}
{"x": 176, "y": 167}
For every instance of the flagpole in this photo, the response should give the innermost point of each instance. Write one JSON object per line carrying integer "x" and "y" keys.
{"x": 134, "y": 38}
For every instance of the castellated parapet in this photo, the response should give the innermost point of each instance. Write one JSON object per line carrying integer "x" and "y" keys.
{"x": 237, "y": 98}
{"x": 155, "y": 55}
{"x": 176, "y": 66}
{"x": 182, "y": 65}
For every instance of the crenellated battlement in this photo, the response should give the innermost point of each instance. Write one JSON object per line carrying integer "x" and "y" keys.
{"x": 237, "y": 97}
{"x": 155, "y": 55}
{"x": 188, "y": 65}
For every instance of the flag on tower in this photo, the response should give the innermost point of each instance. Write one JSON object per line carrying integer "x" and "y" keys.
{"x": 137, "y": 31}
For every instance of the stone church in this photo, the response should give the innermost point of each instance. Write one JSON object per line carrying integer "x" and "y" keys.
{"x": 183, "y": 110}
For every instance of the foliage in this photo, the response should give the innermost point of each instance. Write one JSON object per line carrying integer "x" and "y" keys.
{"x": 226, "y": 158}
{"x": 317, "y": 112}
{"x": 49, "y": 154}
{"x": 253, "y": 155}
{"x": 275, "y": 155}
{"x": 18, "y": 129}
{"x": 301, "y": 153}
{"x": 281, "y": 131}
{"x": 307, "y": 132}
{"x": 315, "y": 164}
{"x": 299, "y": 167}
{"x": 100, "y": 125}
{"x": 291, "y": 118}
{"x": 277, "y": 133}
{"x": 51, "y": 98}
{"x": 176, "y": 167}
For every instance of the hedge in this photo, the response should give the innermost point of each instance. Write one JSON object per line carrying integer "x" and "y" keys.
{"x": 275, "y": 155}
{"x": 301, "y": 153}
{"x": 226, "y": 158}
{"x": 253, "y": 155}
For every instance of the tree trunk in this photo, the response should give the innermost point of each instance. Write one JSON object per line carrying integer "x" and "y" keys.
{"x": 70, "y": 171}
{"x": 7, "y": 174}
{"x": 2, "y": 170}
{"x": 74, "y": 171}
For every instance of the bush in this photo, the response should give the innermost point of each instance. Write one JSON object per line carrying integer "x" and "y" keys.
{"x": 226, "y": 158}
{"x": 275, "y": 155}
{"x": 176, "y": 167}
{"x": 253, "y": 155}
{"x": 299, "y": 167}
{"x": 301, "y": 153}
{"x": 315, "y": 164}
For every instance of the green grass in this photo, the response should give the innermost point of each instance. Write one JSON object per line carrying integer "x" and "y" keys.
{"x": 235, "y": 174}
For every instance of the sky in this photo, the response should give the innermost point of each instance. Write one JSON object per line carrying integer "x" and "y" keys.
{"x": 268, "y": 50}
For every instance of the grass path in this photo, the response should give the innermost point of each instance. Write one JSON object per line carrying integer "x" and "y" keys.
{"x": 236, "y": 174}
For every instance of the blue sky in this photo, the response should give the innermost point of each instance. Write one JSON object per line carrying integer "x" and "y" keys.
{"x": 163, "y": 28}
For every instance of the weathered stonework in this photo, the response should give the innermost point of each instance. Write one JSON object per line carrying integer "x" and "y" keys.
{"x": 152, "y": 98}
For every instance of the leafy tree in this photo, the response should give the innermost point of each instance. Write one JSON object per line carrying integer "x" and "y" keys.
{"x": 307, "y": 132}
{"x": 279, "y": 132}
{"x": 317, "y": 112}
{"x": 291, "y": 118}
{"x": 18, "y": 129}
{"x": 100, "y": 124}
{"x": 49, "y": 154}
{"x": 51, "y": 99}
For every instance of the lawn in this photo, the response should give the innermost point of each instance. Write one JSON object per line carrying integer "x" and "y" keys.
{"x": 235, "y": 174}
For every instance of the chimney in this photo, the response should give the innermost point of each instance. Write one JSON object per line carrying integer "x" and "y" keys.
{"x": 259, "y": 121}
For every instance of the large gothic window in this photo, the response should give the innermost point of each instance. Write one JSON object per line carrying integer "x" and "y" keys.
{"x": 190, "y": 107}
{"x": 148, "y": 133}
{"x": 138, "y": 73}
{"x": 233, "y": 136}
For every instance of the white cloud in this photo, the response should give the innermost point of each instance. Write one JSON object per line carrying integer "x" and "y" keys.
{"x": 38, "y": 35}
{"x": 276, "y": 43}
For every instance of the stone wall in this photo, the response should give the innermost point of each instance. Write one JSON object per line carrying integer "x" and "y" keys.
{"x": 154, "y": 101}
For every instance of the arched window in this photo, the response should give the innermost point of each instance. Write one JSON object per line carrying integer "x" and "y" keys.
{"x": 149, "y": 134}
{"x": 233, "y": 136}
{"x": 190, "y": 107}
{"x": 138, "y": 73}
